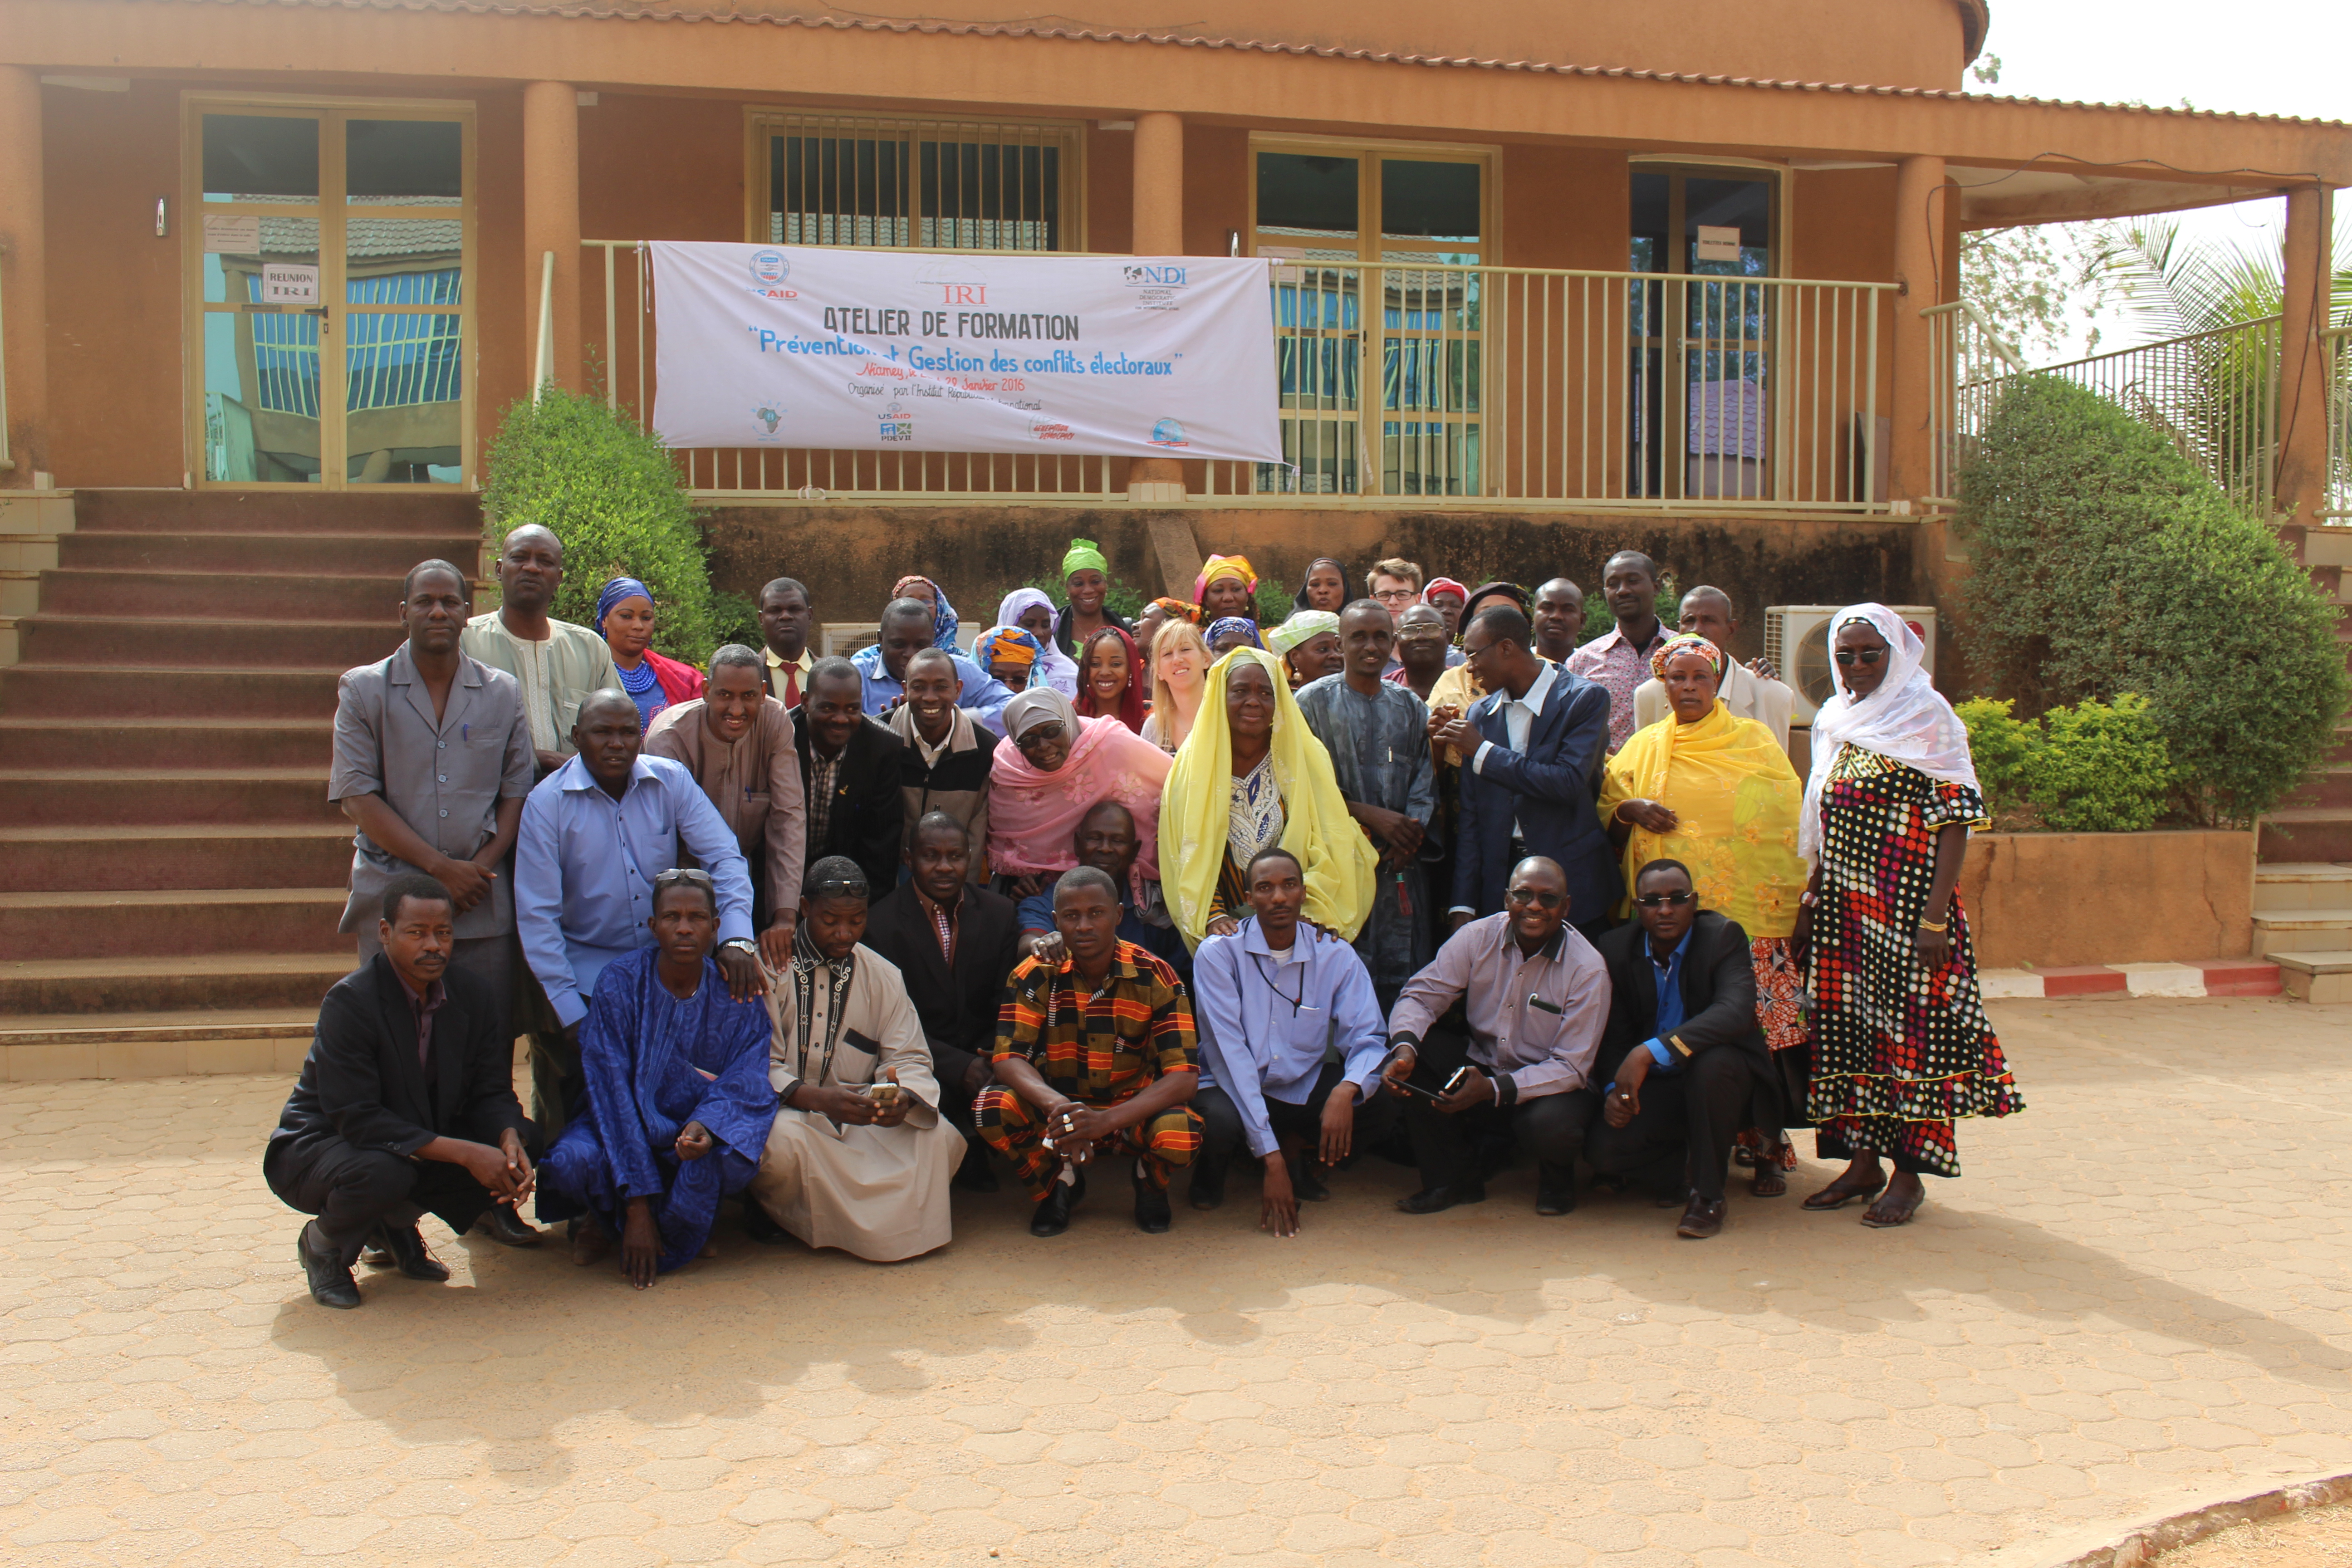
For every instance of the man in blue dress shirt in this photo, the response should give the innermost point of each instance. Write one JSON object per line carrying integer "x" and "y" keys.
{"x": 595, "y": 833}
{"x": 1268, "y": 1001}
{"x": 906, "y": 631}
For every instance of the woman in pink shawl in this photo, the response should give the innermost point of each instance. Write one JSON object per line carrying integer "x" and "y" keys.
{"x": 1051, "y": 769}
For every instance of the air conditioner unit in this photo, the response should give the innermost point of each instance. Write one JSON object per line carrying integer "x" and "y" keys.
{"x": 839, "y": 639}
{"x": 1797, "y": 641}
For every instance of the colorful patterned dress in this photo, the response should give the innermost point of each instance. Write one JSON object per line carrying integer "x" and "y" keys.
{"x": 1899, "y": 1051}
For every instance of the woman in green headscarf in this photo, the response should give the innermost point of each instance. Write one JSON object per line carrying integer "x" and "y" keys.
{"x": 1085, "y": 581}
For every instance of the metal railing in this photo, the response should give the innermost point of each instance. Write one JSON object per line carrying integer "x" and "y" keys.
{"x": 1968, "y": 360}
{"x": 1504, "y": 386}
{"x": 7, "y": 464}
{"x": 2337, "y": 343}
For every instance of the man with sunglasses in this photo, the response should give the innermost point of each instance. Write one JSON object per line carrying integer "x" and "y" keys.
{"x": 1683, "y": 1058}
{"x": 1534, "y": 996}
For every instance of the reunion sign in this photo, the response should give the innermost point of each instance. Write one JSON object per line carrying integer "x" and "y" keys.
{"x": 765, "y": 345}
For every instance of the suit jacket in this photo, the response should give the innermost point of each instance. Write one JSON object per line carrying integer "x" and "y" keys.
{"x": 361, "y": 1082}
{"x": 1719, "y": 987}
{"x": 867, "y": 811}
{"x": 1549, "y": 791}
{"x": 958, "y": 1006}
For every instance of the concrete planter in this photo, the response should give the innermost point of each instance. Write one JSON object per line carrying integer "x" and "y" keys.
{"x": 2047, "y": 900}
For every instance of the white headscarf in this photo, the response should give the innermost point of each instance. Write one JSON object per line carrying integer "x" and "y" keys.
{"x": 1061, "y": 670}
{"x": 1906, "y": 719}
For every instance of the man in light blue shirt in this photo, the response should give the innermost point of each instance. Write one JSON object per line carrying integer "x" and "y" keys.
{"x": 1271, "y": 1001}
{"x": 906, "y": 631}
{"x": 595, "y": 833}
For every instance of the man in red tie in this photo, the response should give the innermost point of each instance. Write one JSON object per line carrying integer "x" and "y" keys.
{"x": 787, "y": 619}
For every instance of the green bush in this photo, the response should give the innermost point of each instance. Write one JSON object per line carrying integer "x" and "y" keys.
{"x": 2001, "y": 746}
{"x": 610, "y": 493}
{"x": 2104, "y": 562}
{"x": 2100, "y": 768}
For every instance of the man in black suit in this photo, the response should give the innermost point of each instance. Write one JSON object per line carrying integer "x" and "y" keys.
{"x": 954, "y": 943}
{"x": 849, "y": 773}
{"x": 1683, "y": 1056}
{"x": 1531, "y": 754}
{"x": 406, "y": 1104}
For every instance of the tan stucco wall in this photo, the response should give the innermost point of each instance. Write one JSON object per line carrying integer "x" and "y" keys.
{"x": 2051, "y": 899}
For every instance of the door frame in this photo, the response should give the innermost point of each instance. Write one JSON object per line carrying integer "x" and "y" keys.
{"x": 332, "y": 112}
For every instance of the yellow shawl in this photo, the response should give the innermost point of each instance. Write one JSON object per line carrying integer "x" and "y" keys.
{"x": 1196, "y": 810}
{"x": 1730, "y": 784}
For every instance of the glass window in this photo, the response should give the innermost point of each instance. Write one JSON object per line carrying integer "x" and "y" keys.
{"x": 403, "y": 261}
{"x": 404, "y": 375}
{"x": 418, "y": 161}
{"x": 963, "y": 187}
{"x": 269, "y": 156}
{"x": 1308, "y": 193}
{"x": 1432, "y": 201}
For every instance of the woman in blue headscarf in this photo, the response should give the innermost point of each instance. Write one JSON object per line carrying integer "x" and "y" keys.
{"x": 624, "y": 619}
{"x": 944, "y": 624}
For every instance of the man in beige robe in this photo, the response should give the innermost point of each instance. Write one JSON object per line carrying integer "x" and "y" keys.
{"x": 859, "y": 1157}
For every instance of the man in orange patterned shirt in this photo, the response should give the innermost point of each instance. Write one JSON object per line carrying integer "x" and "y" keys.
{"x": 1095, "y": 1055}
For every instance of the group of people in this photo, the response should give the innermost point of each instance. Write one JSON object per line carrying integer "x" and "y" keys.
{"x": 1418, "y": 871}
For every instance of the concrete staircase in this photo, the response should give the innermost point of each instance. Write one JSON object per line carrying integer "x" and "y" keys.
{"x": 173, "y": 871}
{"x": 2303, "y": 878}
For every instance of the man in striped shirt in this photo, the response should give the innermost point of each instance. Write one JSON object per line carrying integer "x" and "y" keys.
{"x": 1095, "y": 1055}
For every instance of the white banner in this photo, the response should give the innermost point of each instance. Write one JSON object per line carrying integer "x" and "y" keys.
{"x": 771, "y": 345}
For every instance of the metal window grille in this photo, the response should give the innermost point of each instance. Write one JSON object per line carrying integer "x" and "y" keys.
{"x": 921, "y": 184}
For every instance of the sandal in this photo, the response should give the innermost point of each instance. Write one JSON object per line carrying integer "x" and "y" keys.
{"x": 1837, "y": 1194}
{"x": 1769, "y": 1182}
{"x": 1875, "y": 1221}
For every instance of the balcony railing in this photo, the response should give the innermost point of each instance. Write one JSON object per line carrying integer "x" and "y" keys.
{"x": 2338, "y": 506}
{"x": 1968, "y": 360}
{"x": 7, "y": 465}
{"x": 1515, "y": 387}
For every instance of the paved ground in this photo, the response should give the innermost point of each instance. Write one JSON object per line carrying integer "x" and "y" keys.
{"x": 2135, "y": 1302}
{"x": 2320, "y": 1539}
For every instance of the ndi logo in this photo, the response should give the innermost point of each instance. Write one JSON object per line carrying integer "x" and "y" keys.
{"x": 769, "y": 268}
{"x": 1153, "y": 275}
{"x": 1168, "y": 433}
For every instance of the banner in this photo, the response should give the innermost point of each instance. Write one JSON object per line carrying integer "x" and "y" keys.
{"x": 770, "y": 345}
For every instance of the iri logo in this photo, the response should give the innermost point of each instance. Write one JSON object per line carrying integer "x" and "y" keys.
{"x": 1168, "y": 433}
{"x": 1153, "y": 275}
{"x": 769, "y": 268}
{"x": 963, "y": 294}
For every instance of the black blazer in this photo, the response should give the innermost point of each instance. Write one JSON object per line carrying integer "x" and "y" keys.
{"x": 957, "y": 1009}
{"x": 869, "y": 815}
{"x": 1550, "y": 791}
{"x": 1718, "y": 986}
{"x": 362, "y": 1083}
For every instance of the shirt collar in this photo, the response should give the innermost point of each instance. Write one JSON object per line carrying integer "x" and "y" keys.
{"x": 928, "y": 902}
{"x": 1254, "y": 940}
{"x": 1538, "y": 689}
{"x": 428, "y": 1001}
{"x": 1675, "y": 957}
{"x": 801, "y": 664}
{"x": 577, "y": 777}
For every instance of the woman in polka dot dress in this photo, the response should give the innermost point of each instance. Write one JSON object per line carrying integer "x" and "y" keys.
{"x": 1902, "y": 1047}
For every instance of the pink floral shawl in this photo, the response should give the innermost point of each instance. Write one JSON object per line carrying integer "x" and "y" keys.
{"x": 1034, "y": 817}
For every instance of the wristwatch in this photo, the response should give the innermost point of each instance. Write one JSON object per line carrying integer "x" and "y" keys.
{"x": 745, "y": 942}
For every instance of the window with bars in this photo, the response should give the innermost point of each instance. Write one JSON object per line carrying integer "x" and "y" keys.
{"x": 921, "y": 184}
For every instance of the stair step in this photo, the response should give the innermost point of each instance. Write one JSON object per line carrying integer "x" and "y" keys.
{"x": 276, "y": 511}
{"x": 99, "y": 985}
{"x": 177, "y": 856}
{"x": 306, "y": 596}
{"x": 112, "y": 743}
{"x": 228, "y": 1024}
{"x": 31, "y": 797}
{"x": 2302, "y": 931}
{"x": 337, "y": 554}
{"x": 2318, "y": 976}
{"x": 156, "y": 1045}
{"x": 2329, "y": 785}
{"x": 133, "y": 691}
{"x": 170, "y": 923}
{"x": 85, "y": 640}
{"x": 2305, "y": 834}
{"x": 2301, "y": 885}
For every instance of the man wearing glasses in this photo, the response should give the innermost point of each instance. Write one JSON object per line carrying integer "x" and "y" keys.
{"x": 1682, "y": 1058}
{"x": 1535, "y": 996}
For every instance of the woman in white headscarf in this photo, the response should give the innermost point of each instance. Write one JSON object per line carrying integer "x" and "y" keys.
{"x": 1033, "y": 612}
{"x": 1901, "y": 1044}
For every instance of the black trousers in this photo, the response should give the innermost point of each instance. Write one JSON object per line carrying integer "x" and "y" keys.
{"x": 353, "y": 1190}
{"x": 1549, "y": 1127}
{"x": 1223, "y": 1138}
{"x": 1684, "y": 1126}
{"x": 949, "y": 1063}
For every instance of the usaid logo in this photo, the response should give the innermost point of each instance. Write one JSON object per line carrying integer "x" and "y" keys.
{"x": 769, "y": 268}
{"x": 1154, "y": 275}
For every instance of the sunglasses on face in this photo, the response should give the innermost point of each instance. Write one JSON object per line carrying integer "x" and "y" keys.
{"x": 1030, "y": 740}
{"x": 1665, "y": 900}
{"x": 1525, "y": 896}
{"x": 1849, "y": 657}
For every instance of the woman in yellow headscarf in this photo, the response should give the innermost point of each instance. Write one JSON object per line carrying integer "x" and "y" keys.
{"x": 1716, "y": 791}
{"x": 1227, "y": 586}
{"x": 1252, "y": 775}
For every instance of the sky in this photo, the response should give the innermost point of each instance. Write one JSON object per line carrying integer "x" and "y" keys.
{"x": 2274, "y": 56}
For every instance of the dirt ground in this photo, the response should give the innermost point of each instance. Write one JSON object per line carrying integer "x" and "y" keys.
{"x": 2321, "y": 1537}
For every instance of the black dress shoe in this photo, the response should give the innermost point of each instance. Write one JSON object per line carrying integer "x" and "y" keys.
{"x": 1152, "y": 1216}
{"x": 407, "y": 1251}
{"x": 760, "y": 1227}
{"x": 1430, "y": 1200}
{"x": 330, "y": 1282}
{"x": 1052, "y": 1216}
{"x": 508, "y": 1228}
{"x": 1702, "y": 1217}
{"x": 1208, "y": 1188}
{"x": 973, "y": 1176}
{"x": 1555, "y": 1189}
{"x": 1306, "y": 1182}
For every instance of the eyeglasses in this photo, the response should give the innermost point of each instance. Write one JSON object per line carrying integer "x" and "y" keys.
{"x": 1525, "y": 896}
{"x": 1849, "y": 657}
{"x": 1031, "y": 739}
{"x": 686, "y": 874}
{"x": 1396, "y": 596}
{"x": 1666, "y": 900}
{"x": 1421, "y": 632}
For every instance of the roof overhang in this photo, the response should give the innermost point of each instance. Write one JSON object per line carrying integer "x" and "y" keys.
{"x": 2015, "y": 198}
{"x": 1975, "y": 21}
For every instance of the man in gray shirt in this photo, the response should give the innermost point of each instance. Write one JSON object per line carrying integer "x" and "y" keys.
{"x": 433, "y": 758}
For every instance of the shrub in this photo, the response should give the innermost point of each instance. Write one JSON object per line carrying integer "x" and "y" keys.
{"x": 2100, "y": 768}
{"x": 2001, "y": 746}
{"x": 2105, "y": 563}
{"x": 610, "y": 493}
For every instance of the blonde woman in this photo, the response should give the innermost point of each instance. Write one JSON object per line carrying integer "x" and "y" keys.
{"x": 1179, "y": 674}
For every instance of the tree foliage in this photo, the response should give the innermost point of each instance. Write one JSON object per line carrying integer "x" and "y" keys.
{"x": 2104, "y": 563}
{"x": 609, "y": 492}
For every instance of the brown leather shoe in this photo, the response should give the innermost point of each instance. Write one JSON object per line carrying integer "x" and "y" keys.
{"x": 1702, "y": 1217}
